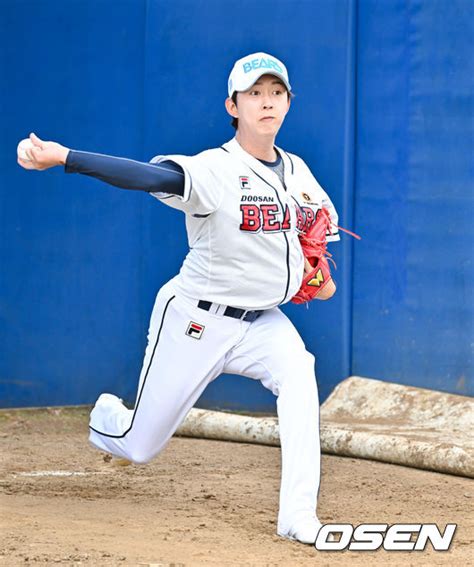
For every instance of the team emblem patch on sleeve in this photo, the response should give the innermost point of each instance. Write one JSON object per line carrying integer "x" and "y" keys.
{"x": 308, "y": 199}
{"x": 195, "y": 330}
{"x": 244, "y": 182}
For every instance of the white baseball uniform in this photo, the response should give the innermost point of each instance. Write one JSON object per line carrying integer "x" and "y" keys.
{"x": 243, "y": 225}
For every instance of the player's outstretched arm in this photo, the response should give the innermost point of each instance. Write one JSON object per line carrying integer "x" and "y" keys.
{"x": 165, "y": 177}
{"x": 41, "y": 155}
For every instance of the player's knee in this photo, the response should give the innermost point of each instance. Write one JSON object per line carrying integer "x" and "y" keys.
{"x": 306, "y": 365}
{"x": 300, "y": 374}
{"x": 299, "y": 366}
{"x": 306, "y": 374}
{"x": 140, "y": 457}
{"x": 309, "y": 360}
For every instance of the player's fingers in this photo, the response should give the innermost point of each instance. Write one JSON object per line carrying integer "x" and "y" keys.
{"x": 36, "y": 141}
{"x": 37, "y": 160}
{"x": 26, "y": 164}
{"x": 31, "y": 153}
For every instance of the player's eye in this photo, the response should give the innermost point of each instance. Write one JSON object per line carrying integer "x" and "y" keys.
{"x": 278, "y": 92}
{"x": 253, "y": 93}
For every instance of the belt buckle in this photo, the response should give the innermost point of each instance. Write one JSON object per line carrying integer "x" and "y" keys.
{"x": 220, "y": 309}
{"x": 253, "y": 316}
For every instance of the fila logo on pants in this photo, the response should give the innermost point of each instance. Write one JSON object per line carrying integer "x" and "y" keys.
{"x": 195, "y": 330}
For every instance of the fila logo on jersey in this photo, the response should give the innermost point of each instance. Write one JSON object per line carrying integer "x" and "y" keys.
{"x": 317, "y": 280}
{"x": 244, "y": 182}
{"x": 195, "y": 330}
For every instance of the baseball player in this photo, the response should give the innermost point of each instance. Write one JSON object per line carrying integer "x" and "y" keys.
{"x": 245, "y": 203}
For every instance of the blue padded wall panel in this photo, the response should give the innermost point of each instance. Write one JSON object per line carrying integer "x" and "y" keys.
{"x": 81, "y": 262}
{"x": 71, "y": 324}
{"x": 413, "y": 273}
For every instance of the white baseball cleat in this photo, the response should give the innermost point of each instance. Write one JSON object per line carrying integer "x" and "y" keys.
{"x": 304, "y": 532}
{"x": 109, "y": 399}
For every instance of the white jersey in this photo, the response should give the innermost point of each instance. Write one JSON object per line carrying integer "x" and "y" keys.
{"x": 243, "y": 225}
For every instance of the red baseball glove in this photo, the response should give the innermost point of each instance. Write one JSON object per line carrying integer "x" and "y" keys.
{"x": 317, "y": 258}
{"x": 314, "y": 244}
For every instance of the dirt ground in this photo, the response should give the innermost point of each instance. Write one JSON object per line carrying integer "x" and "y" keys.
{"x": 198, "y": 503}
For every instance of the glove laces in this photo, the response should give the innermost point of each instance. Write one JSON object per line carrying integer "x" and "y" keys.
{"x": 315, "y": 245}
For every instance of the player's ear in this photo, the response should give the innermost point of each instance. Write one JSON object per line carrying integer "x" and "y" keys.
{"x": 231, "y": 107}
{"x": 288, "y": 105}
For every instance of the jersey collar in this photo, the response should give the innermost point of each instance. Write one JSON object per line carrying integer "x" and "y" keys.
{"x": 233, "y": 147}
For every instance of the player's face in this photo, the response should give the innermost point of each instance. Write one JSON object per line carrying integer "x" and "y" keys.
{"x": 262, "y": 108}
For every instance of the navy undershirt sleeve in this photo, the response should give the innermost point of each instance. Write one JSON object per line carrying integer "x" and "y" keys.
{"x": 166, "y": 177}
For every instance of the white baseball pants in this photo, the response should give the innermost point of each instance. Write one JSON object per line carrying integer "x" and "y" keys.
{"x": 176, "y": 370}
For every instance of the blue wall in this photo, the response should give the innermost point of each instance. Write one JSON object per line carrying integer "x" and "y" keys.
{"x": 413, "y": 276}
{"x": 80, "y": 262}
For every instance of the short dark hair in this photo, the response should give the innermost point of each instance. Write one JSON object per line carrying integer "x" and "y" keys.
{"x": 235, "y": 121}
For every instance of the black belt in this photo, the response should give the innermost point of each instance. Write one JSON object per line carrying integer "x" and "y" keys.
{"x": 233, "y": 312}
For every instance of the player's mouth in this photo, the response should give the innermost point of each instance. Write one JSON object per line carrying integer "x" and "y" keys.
{"x": 267, "y": 119}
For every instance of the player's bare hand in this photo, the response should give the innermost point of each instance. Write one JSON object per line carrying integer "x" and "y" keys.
{"x": 41, "y": 155}
{"x": 328, "y": 291}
